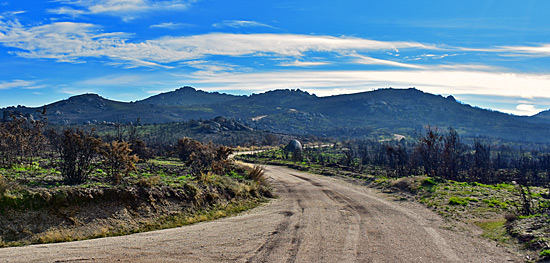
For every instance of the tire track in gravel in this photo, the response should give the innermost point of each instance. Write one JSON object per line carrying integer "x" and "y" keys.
{"x": 353, "y": 216}
{"x": 287, "y": 230}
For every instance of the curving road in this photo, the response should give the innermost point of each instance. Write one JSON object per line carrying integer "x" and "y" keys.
{"x": 315, "y": 219}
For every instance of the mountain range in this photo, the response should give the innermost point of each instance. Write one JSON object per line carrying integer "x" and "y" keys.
{"x": 383, "y": 111}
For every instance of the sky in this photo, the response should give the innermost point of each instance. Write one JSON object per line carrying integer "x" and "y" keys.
{"x": 489, "y": 54}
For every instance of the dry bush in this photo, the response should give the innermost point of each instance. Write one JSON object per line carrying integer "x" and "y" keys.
{"x": 203, "y": 158}
{"x": 78, "y": 151}
{"x": 257, "y": 173}
{"x": 186, "y": 147}
{"x": 139, "y": 148}
{"x": 149, "y": 181}
{"x": 117, "y": 160}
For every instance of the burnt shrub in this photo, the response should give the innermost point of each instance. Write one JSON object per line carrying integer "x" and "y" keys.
{"x": 78, "y": 152}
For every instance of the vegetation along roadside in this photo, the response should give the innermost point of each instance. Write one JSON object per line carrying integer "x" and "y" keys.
{"x": 503, "y": 191}
{"x": 71, "y": 184}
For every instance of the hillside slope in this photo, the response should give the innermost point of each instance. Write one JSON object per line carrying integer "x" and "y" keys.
{"x": 187, "y": 96}
{"x": 383, "y": 111}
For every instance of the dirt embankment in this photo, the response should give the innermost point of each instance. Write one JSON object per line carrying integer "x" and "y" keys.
{"x": 75, "y": 213}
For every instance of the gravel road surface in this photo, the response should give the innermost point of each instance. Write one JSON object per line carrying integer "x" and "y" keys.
{"x": 315, "y": 219}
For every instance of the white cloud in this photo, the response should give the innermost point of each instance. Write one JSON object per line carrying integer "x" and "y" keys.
{"x": 170, "y": 25}
{"x": 66, "y": 11}
{"x": 374, "y": 61}
{"x": 240, "y": 23}
{"x": 17, "y": 84}
{"x": 542, "y": 50}
{"x": 210, "y": 67}
{"x": 285, "y": 45}
{"x": 76, "y": 42}
{"x": 297, "y": 63}
{"x": 123, "y": 8}
{"x": 526, "y": 109}
{"x": 466, "y": 67}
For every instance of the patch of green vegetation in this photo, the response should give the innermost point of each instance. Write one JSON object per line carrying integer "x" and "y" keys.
{"x": 494, "y": 230}
{"x": 545, "y": 253}
{"x": 234, "y": 174}
{"x": 458, "y": 201}
{"x": 428, "y": 182}
{"x": 528, "y": 216}
{"x": 165, "y": 161}
{"x": 495, "y": 203}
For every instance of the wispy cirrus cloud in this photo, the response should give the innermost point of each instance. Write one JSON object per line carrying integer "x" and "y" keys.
{"x": 360, "y": 59}
{"x": 211, "y": 67}
{"x": 18, "y": 84}
{"x": 297, "y": 63}
{"x": 240, "y": 23}
{"x": 122, "y": 8}
{"x": 64, "y": 10}
{"x": 171, "y": 25}
{"x": 541, "y": 50}
{"x": 77, "y": 42}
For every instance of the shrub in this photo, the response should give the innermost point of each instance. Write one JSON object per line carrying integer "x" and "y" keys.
{"x": 510, "y": 217}
{"x": 140, "y": 149}
{"x": 545, "y": 253}
{"x": 117, "y": 160}
{"x": 187, "y": 146}
{"x": 149, "y": 181}
{"x": 78, "y": 151}
{"x": 203, "y": 158}
{"x": 257, "y": 173}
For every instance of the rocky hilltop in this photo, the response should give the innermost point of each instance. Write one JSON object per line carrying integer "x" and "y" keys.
{"x": 388, "y": 111}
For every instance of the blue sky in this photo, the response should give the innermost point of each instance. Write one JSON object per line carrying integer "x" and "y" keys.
{"x": 490, "y": 54}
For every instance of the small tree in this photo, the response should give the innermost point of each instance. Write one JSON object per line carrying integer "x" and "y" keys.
{"x": 480, "y": 165}
{"x": 117, "y": 160}
{"x": 428, "y": 148}
{"x": 78, "y": 151}
{"x": 21, "y": 139}
{"x": 397, "y": 159}
{"x": 452, "y": 156}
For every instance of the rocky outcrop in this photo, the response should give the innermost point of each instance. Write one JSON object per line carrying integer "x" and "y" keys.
{"x": 221, "y": 124}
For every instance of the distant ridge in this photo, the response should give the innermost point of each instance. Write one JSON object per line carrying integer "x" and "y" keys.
{"x": 383, "y": 111}
{"x": 187, "y": 96}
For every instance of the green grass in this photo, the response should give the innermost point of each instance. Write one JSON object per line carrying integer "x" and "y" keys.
{"x": 166, "y": 161}
{"x": 494, "y": 230}
{"x": 495, "y": 203}
{"x": 458, "y": 201}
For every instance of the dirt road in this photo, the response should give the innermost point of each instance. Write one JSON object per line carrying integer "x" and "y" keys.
{"x": 315, "y": 219}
